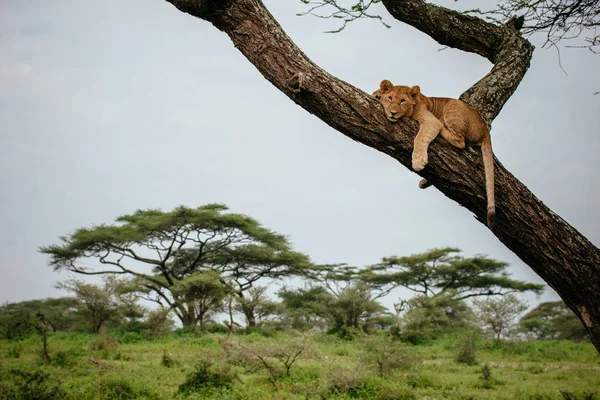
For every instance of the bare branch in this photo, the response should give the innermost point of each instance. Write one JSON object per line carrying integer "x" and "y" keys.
{"x": 347, "y": 15}
{"x": 559, "y": 20}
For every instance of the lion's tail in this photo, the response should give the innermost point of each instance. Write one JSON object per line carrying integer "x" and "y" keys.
{"x": 488, "y": 165}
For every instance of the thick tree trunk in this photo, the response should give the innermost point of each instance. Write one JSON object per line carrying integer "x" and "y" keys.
{"x": 188, "y": 318}
{"x": 564, "y": 258}
{"x": 250, "y": 317}
{"x": 201, "y": 320}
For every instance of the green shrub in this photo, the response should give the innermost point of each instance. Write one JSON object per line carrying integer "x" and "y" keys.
{"x": 386, "y": 354}
{"x": 61, "y": 359}
{"x": 342, "y": 352}
{"x": 167, "y": 360}
{"x": 117, "y": 389}
{"x": 383, "y": 389}
{"x": 395, "y": 332}
{"x": 14, "y": 351}
{"x": 467, "y": 353}
{"x": 345, "y": 378}
{"x": 103, "y": 343}
{"x": 573, "y": 396}
{"x": 158, "y": 323}
{"x": 276, "y": 359}
{"x": 113, "y": 388}
{"x": 207, "y": 376}
{"x": 486, "y": 381}
{"x": 536, "y": 369}
{"x": 262, "y": 331}
{"x": 217, "y": 328}
{"x": 418, "y": 381}
{"x": 555, "y": 354}
{"x": 540, "y": 396}
{"x": 183, "y": 332}
{"x": 16, "y": 323}
{"x": 130, "y": 326}
{"x": 346, "y": 333}
{"x": 486, "y": 372}
{"x": 23, "y": 385}
{"x": 427, "y": 318}
{"x": 132, "y": 337}
{"x": 510, "y": 348}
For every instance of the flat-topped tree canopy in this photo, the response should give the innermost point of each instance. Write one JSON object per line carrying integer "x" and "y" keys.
{"x": 165, "y": 250}
{"x": 444, "y": 272}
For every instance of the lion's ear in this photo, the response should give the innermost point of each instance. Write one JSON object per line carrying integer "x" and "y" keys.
{"x": 385, "y": 86}
{"x": 414, "y": 91}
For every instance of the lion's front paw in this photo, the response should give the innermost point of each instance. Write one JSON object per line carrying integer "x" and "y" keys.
{"x": 419, "y": 161}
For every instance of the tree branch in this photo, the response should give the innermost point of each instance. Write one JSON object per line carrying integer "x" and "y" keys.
{"x": 563, "y": 257}
{"x": 488, "y": 293}
{"x": 103, "y": 260}
{"x": 503, "y": 46}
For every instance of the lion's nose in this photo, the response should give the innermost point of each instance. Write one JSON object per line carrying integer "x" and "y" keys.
{"x": 393, "y": 112}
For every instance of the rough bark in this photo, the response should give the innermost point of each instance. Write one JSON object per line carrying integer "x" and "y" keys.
{"x": 187, "y": 318}
{"x": 250, "y": 318}
{"x": 564, "y": 258}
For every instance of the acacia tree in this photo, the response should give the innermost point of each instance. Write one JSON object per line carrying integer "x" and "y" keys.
{"x": 563, "y": 257}
{"x": 245, "y": 265}
{"x": 19, "y": 319}
{"x": 256, "y": 307}
{"x": 439, "y": 272}
{"x": 497, "y": 316}
{"x": 352, "y": 307}
{"x": 174, "y": 249}
{"x": 428, "y": 317}
{"x": 335, "y": 278}
{"x": 98, "y": 304}
{"x": 301, "y": 305}
{"x": 552, "y": 320}
{"x": 345, "y": 300}
{"x": 203, "y": 293}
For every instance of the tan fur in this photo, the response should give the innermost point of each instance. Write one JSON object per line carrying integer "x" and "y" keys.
{"x": 453, "y": 119}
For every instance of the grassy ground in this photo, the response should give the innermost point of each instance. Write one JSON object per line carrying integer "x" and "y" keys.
{"x": 253, "y": 366}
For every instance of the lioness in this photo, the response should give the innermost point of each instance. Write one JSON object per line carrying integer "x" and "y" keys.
{"x": 458, "y": 123}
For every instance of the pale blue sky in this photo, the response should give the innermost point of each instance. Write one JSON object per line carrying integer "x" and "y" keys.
{"x": 107, "y": 107}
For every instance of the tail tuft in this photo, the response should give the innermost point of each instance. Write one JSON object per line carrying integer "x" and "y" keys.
{"x": 491, "y": 218}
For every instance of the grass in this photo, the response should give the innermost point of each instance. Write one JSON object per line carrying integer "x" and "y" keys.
{"x": 86, "y": 367}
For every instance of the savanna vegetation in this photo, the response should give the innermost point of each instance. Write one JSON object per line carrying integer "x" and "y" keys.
{"x": 294, "y": 365}
{"x": 201, "y": 303}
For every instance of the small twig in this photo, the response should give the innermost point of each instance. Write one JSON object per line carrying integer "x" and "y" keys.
{"x": 99, "y": 363}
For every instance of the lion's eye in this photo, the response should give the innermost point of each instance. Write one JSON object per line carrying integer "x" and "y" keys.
{"x": 402, "y": 101}
{"x": 390, "y": 98}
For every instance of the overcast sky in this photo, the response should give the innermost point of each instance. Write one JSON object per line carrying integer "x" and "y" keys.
{"x": 108, "y": 107}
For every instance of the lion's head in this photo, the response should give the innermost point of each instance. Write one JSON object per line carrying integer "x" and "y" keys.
{"x": 398, "y": 101}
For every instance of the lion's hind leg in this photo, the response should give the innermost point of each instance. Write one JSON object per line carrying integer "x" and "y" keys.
{"x": 452, "y": 137}
{"x": 454, "y": 124}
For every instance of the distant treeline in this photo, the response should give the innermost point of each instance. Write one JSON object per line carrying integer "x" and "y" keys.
{"x": 209, "y": 269}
